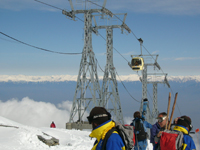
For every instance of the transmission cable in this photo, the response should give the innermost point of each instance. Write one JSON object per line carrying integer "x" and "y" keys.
{"x": 99, "y": 65}
{"x": 56, "y": 8}
{"x": 137, "y": 40}
{"x": 103, "y": 38}
{"x": 176, "y": 102}
{"x": 38, "y": 47}
{"x": 126, "y": 89}
{"x": 48, "y": 5}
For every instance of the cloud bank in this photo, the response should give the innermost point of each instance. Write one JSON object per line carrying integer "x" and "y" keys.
{"x": 37, "y": 114}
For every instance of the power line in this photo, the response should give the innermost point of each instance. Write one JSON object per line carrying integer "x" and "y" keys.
{"x": 137, "y": 40}
{"x": 56, "y": 8}
{"x": 48, "y": 5}
{"x": 104, "y": 39}
{"x": 38, "y": 47}
{"x": 126, "y": 89}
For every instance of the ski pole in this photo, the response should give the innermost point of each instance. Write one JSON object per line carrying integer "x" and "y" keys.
{"x": 169, "y": 100}
{"x": 173, "y": 108}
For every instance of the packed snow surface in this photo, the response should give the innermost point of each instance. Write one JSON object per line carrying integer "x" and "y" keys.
{"x": 15, "y": 136}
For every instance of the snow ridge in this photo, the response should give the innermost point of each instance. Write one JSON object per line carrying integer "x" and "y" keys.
{"x": 65, "y": 78}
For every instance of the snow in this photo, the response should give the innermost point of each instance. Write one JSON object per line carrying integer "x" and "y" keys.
{"x": 62, "y": 78}
{"x": 15, "y": 136}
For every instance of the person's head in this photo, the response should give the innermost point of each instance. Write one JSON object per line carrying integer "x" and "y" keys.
{"x": 185, "y": 121}
{"x": 98, "y": 115}
{"x": 136, "y": 114}
{"x": 162, "y": 119}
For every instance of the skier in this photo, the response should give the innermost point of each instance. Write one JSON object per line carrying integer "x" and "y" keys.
{"x": 183, "y": 125}
{"x": 140, "y": 131}
{"x": 157, "y": 128}
{"x": 101, "y": 122}
{"x": 52, "y": 125}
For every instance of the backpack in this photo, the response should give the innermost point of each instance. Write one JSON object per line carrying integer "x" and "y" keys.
{"x": 172, "y": 140}
{"x": 140, "y": 133}
{"x": 125, "y": 132}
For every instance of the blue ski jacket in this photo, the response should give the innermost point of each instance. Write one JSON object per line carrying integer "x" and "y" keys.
{"x": 114, "y": 141}
{"x": 188, "y": 143}
{"x": 141, "y": 145}
{"x": 154, "y": 131}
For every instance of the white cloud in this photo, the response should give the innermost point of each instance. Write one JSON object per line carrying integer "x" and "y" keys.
{"x": 155, "y": 52}
{"x": 128, "y": 53}
{"x": 187, "y": 58}
{"x": 178, "y": 7}
{"x": 37, "y": 114}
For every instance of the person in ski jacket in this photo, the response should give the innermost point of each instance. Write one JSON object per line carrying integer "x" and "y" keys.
{"x": 52, "y": 125}
{"x": 157, "y": 128}
{"x": 101, "y": 122}
{"x": 184, "y": 125}
{"x": 140, "y": 144}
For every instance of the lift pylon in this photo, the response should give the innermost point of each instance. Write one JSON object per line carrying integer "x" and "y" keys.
{"x": 87, "y": 92}
{"x": 110, "y": 95}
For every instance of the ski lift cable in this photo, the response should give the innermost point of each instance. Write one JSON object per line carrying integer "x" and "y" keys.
{"x": 176, "y": 102}
{"x": 99, "y": 64}
{"x": 131, "y": 32}
{"x": 142, "y": 46}
{"x": 38, "y": 47}
{"x": 105, "y": 39}
{"x": 126, "y": 89}
{"x": 57, "y": 8}
{"x": 48, "y": 5}
{"x": 83, "y": 21}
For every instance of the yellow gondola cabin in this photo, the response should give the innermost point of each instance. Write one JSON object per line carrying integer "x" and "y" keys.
{"x": 137, "y": 63}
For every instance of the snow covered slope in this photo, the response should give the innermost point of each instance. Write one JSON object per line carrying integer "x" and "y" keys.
{"x": 15, "y": 136}
{"x": 25, "y": 137}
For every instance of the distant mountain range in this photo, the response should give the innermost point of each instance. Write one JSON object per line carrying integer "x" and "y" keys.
{"x": 61, "y": 78}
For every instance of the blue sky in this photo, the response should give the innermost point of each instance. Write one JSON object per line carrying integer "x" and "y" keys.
{"x": 169, "y": 28}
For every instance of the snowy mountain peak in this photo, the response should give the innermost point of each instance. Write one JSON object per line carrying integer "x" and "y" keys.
{"x": 62, "y": 78}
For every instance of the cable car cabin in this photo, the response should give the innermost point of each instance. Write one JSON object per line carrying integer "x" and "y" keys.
{"x": 137, "y": 63}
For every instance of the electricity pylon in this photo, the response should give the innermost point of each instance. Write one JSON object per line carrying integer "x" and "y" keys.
{"x": 110, "y": 95}
{"x": 87, "y": 81}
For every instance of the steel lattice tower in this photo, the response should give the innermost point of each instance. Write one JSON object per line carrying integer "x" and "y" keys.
{"x": 109, "y": 87}
{"x": 144, "y": 79}
{"x": 87, "y": 92}
{"x": 110, "y": 95}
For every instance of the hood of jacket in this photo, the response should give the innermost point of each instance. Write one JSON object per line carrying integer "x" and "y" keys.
{"x": 181, "y": 129}
{"x": 100, "y": 131}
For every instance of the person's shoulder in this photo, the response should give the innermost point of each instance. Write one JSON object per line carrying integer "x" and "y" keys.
{"x": 189, "y": 141}
{"x": 154, "y": 125}
{"x": 187, "y": 137}
{"x": 115, "y": 137}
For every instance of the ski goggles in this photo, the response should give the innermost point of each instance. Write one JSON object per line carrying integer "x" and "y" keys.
{"x": 161, "y": 119}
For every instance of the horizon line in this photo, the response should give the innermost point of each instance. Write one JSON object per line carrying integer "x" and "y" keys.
{"x": 63, "y": 78}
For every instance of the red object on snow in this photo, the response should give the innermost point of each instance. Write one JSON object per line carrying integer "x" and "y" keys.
{"x": 52, "y": 125}
{"x": 197, "y": 130}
